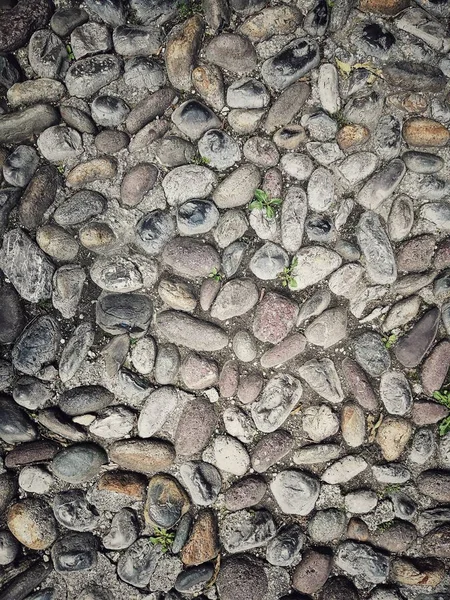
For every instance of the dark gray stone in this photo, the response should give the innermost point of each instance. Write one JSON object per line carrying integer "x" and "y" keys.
{"x": 194, "y": 119}
{"x": 120, "y": 313}
{"x": 80, "y": 207}
{"x": 240, "y": 577}
{"x": 194, "y": 579}
{"x": 20, "y": 166}
{"x": 284, "y": 549}
{"x": 79, "y": 463}
{"x": 20, "y": 126}
{"x": 414, "y": 76}
{"x": 142, "y": 72}
{"x": 72, "y": 510}
{"x": 137, "y": 564}
{"x": 75, "y": 552}
{"x": 124, "y": 530}
{"x": 412, "y": 347}
{"x": 294, "y": 61}
{"x": 371, "y": 353}
{"x": 12, "y": 318}
{"x": 136, "y": 40}
{"x": 109, "y": 111}
{"x": 31, "y": 393}
{"x": 15, "y": 425}
{"x": 149, "y": 108}
{"x": 65, "y": 20}
{"x": 77, "y": 119}
{"x": 48, "y": 55}
{"x": 85, "y": 399}
{"x": 37, "y": 345}
{"x": 196, "y": 216}
{"x": 111, "y": 12}
{"x": 202, "y": 480}
{"x": 88, "y": 75}
{"x": 26, "y": 581}
{"x": 153, "y": 231}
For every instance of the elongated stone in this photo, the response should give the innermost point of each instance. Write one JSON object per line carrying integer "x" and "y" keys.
{"x": 381, "y": 185}
{"x": 279, "y": 397}
{"x": 185, "y": 330}
{"x": 376, "y": 248}
{"x": 412, "y": 347}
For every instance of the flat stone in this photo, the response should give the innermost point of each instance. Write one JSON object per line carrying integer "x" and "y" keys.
{"x": 57, "y": 243}
{"x": 166, "y": 502}
{"x": 198, "y": 373}
{"x": 36, "y": 346}
{"x": 435, "y": 484}
{"x": 381, "y": 185}
{"x": 124, "y": 530}
{"x": 202, "y": 480}
{"x": 238, "y": 188}
{"x": 281, "y": 394}
{"x": 113, "y": 423}
{"x": 97, "y": 169}
{"x": 328, "y": 329}
{"x": 322, "y": 377}
{"x": 319, "y": 422}
{"x": 65, "y": 20}
{"x": 219, "y": 149}
{"x": 274, "y": 317}
{"x": 395, "y": 393}
{"x": 167, "y": 364}
{"x": 268, "y": 261}
{"x": 90, "y": 38}
{"x": 294, "y": 61}
{"x": 344, "y": 469}
{"x": 327, "y": 525}
{"x": 414, "y": 76}
{"x": 190, "y": 332}
{"x": 187, "y": 182}
{"x": 240, "y": 578}
{"x": 202, "y": 544}
{"x": 286, "y": 107}
{"x": 277, "y": 20}
{"x": 143, "y": 456}
{"x": 72, "y": 510}
{"x": 270, "y": 449}
{"x": 312, "y": 571}
{"x": 85, "y": 399}
{"x": 89, "y": 75}
{"x": 230, "y": 455}
{"x": 16, "y": 425}
{"x": 20, "y": 126}
{"x": 235, "y": 298}
{"x": 284, "y": 351}
{"x": 422, "y": 162}
{"x": 424, "y": 132}
{"x": 353, "y": 425}
{"x": 137, "y": 564}
{"x": 77, "y": 119}
{"x": 195, "y": 427}
{"x": 412, "y": 347}
{"x": 298, "y": 166}
{"x": 376, "y": 248}
{"x": 284, "y": 549}
{"x": 142, "y": 72}
{"x": 136, "y": 40}
{"x": 194, "y": 119}
{"x": 118, "y": 313}
{"x": 246, "y": 529}
{"x": 79, "y": 463}
{"x": 232, "y": 52}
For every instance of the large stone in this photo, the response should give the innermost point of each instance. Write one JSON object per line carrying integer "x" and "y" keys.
{"x": 238, "y": 188}
{"x": 361, "y": 560}
{"x": 412, "y": 347}
{"x": 79, "y": 463}
{"x": 322, "y": 377}
{"x": 118, "y": 313}
{"x": 328, "y": 329}
{"x": 195, "y": 427}
{"x": 296, "y": 492}
{"x": 188, "y": 331}
{"x": 294, "y": 61}
{"x": 279, "y": 397}
{"x": 89, "y": 75}
{"x": 31, "y": 521}
{"x": 235, "y": 298}
{"x": 37, "y": 345}
{"x": 194, "y": 119}
{"x": 20, "y": 126}
{"x": 377, "y": 250}
{"x": 241, "y": 578}
{"x": 232, "y": 52}
{"x": 137, "y": 564}
{"x": 314, "y": 263}
{"x": 414, "y": 76}
{"x": 167, "y": 501}
{"x": 274, "y": 318}
{"x": 143, "y": 456}
{"x": 381, "y": 185}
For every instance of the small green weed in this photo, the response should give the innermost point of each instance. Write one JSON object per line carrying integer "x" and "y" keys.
{"x": 188, "y": 8}
{"x": 390, "y": 341}
{"x": 384, "y": 526}
{"x": 330, "y": 3}
{"x": 60, "y": 168}
{"x": 216, "y": 275}
{"x": 390, "y": 489}
{"x": 70, "y": 53}
{"x": 286, "y": 278}
{"x": 200, "y": 160}
{"x": 263, "y": 202}
{"x": 443, "y": 396}
{"x": 163, "y": 538}
{"x": 133, "y": 342}
{"x": 340, "y": 118}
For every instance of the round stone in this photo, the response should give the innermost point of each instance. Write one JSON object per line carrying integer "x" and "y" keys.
{"x": 166, "y": 501}
{"x": 241, "y": 579}
{"x": 296, "y": 492}
{"x": 196, "y": 217}
{"x": 219, "y": 149}
{"x": 35, "y": 479}
{"x": 31, "y": 521}
{"x": 72, "y": 510}
{"x": 79, "y": 463}
{"x": 153, "y": 231}
{"x": 9, "y": 547}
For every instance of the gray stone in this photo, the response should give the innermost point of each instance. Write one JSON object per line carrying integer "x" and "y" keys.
{"x": 194, "y": 119}
{"x": 124, "y": 530}
{"x": 245, "y": 529}
{"x": 319, "y": 422}
{"x": 79, "y": 463}
{"x": 119, "y": 313}
{"x": 219, "y": 149}
{"x": 80, "y": 207}
{"x": 281, "y": 394}
{"x": 298, "y": 166}
{"x": 90, "y": 38}
{"x": 195, "y": 427}
{"x": 241, "y": 578}
{"x": 387, "y": 139}
{"x": 395, "y": 393}
{"x": 423, "y": 446}
{"x": 77, "y": 119}
{"x": 414, "y": 76}
{"x": 194, "y": 579}
{"x": 344, "y": 469}
{"x": 232, "y": 52}
{"x": 247, "y": 93}
{"x": 381, "y": 185}
{"x": 322, "y": 377}
{"x": 190, "y": 258}
{"x": 137, "y": 564}
{"x": 167, "y": 364}
{"x": 361, "y": 560}
{"x": 196, "y": 216}
{"x": 327, "y": 525}
{"x": 47, "y": 55}
{"x": 232, "y": 257}
{"x": 294, "y": 61}
{"x": 269, "y": 261}
{"x": 314, "y": 263}
{"x": 12, "y": 317}
{"x": 153, "y": 231}
{"x": 357, "y": 167}
{"x": 238, "y": 188}
{"x": 261, "y": 152}
{"x": 288, "y": 104}
{"x": 235, "y": 298}
{"x": 328, "y": 329}
{"x": 296, "y": 492}
{"x": 202, "y": 480}
{"x": 187, "y": 182}
{"x": 20, "y": 126}
{"x": 371, "y": 353}
{"x": 68, "y": 284}
{"x": 65, "y": 20}
{"x": 422, "y": 162}
{"x": 16, "y": 426}
{"x": 136, "y": 40}
{"x": 182, "y": 47}
{"x": 412, "y": 347}
{"x": 198, "y": 372}
{"x": 284, "y": 549}
{"x": 60, "y": 143}
{"x": 89, "y": 75}
{"x": 109, "y": 111}
{"x": 173, "y": 151}
{"x": 9, "y": 547}
{"x": 231, "y": 226}
{"x": 72, "y": 510}
{"x": 36, "y": 346}
{"x": 20, "y": 166}
{"x": 113, "y": 423}
{"x": 376, "y": 248}
{"x": 85, "y": 399}
{"x": 142, "y": 72}
{"x": 31, "y": 393}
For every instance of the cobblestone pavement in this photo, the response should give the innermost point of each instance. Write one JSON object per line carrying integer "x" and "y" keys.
{"x": 224, "y": 300}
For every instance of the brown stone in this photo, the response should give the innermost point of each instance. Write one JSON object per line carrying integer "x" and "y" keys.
{"x": 277, "y": 20}
{"x": 435, "y": 368}
{"x": 392, "y": 437}
{"x": 353, "y": 425}
{"x": 229, "y": 379}
{"x": 411, "y": 102}
{"x": 428, "y": 572}
{"x": 182, "y": 46}
{"x": 383, "y": 7}
{"x": 435, "y": 484}
{"x": 437, "y": 542}
{"x": 420, "y": 131}
{"x": 31, "y": 453}
{"x": 31, "y": 521}
{"x": 352, "y": 135}
{"x": 208, "y": 82}
{"x": 143, "y": 456}
{"x": 397, "y": 538}
{"x": 203, "y": 543}
{"x": 92, "y": 170}
{"x": 123, "y": 482}
{"x": 428, "y": 413}
{"x": 312, "y": 572}
{"x": 357, "y": 530}
{"x": 415, "y": 255}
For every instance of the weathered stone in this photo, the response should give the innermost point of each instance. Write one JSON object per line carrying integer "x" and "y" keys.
{"x": 143, "y": 456}
{"x": 31, "y": 521}
{"x": 328, "y": 329}
{"x": 202, "y": 544}
{"x": 89, "y": 75}
{"x": 79, "y": 463}
{"x": 412, "y": 347}
{"x": 278, "y": 398}
{"x": 295, "y": 60}
{"x": 312, "y": 572}
{"x": 20, "y": 126}
{"x": 183, "y": 44}
{"x": 195, "y": 427}
{"x": 240, "y": 578}
{"x": 166, "y": 502}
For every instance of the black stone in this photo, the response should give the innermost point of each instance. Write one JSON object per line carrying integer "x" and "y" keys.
{"x": 26, "y": 581}
{"x": 12, "y": 318}
{"x": 194, "y": 579}
{"x": 124, "y": 313}
{"x": 75, "y": 552}
{"x": 377, "y": 37}
{"x": 18, "y": 22}
{"x": 153, "y": 231}
{"x": 37, "y": 345}
{"x": 65, "y": 20}
{"x": 9, "y": 197}
{"x": 85, "y": 399}
{"x": 111, "y": 12}
{"x": 72, "y": 510}
{"x": 10, "y": 72}
{"x": 15, "y": 425}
